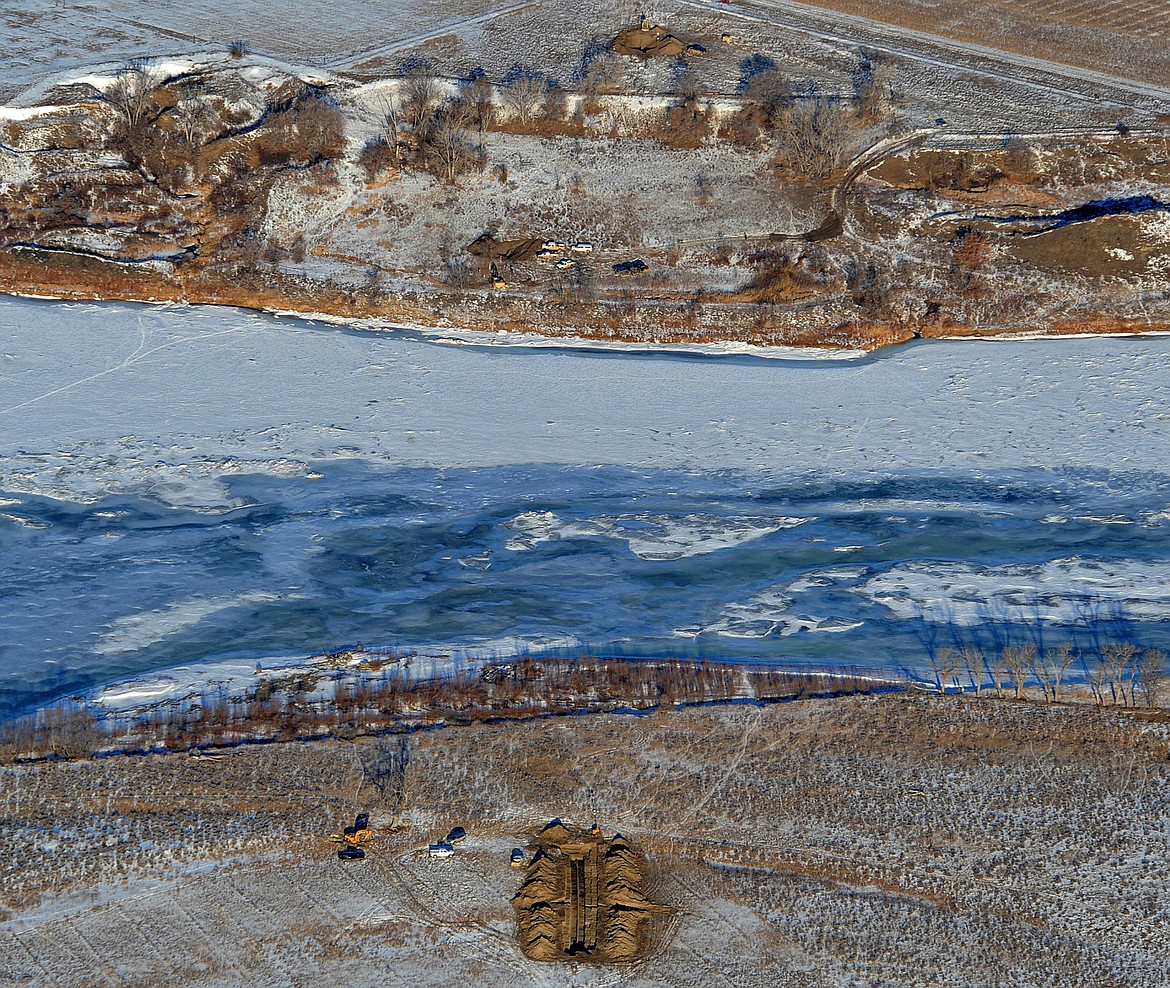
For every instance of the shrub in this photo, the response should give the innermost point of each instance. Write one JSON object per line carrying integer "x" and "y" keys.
{"x": 377, "y": 156}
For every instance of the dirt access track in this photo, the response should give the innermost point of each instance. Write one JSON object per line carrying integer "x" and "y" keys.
{"x": 889, "y": 841}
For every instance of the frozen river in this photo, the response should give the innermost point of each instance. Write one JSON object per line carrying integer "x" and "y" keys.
{"x": 182, "y": 486}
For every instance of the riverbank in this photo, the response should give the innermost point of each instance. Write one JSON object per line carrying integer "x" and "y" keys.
{"x": 727, "y": 329}
{"x": 359, "y": 693}
{"x": 648, "y": 323}
{"x": 239, "y": 180}
{"x": 368, "y": 693}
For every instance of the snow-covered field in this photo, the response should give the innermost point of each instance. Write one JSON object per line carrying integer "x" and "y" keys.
{"x": 197, "y": 485}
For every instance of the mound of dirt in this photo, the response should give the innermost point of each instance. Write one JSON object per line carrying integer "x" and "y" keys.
{"x": 651, "y": 42}
{"x": 488, "y": 246}
{"x": 582, "y": 896}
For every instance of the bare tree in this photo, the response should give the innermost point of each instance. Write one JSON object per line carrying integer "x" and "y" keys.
{"x": 392, "y": 118}
{"x": 69, "y": 732}
{"x": 770, "y": 91}
{"x": 1048, "y": 669}
{"x": 130, "y": 92}
{"x": 815, "y": 136}
{"x": 602, "y": 71}
{"x": 446, "y": 144}
{"x": 944, "y": 663}
{"x": 1152, "y": 671}
{"x": 685, "y": 83}
{"x": 974, "y": 666}
{"x": 480, "y": 103}
{"x": 318, "y": 130}
{"x": 420, "y": 95}
{"x": 1116, "y": 659}
{"x": 1054, "y": 668}
{"x": 191, "y": 115}
{"x": 872, "y": 85}
{"x": 1019, "y": 659}
{"x": 999, "y": 670}
{"x": 524, "y": 97}
{"x": 584, "y": 285}
{"x": 555, "y": 107}
{"x": 702, "y": 188}
{"x": 1098, "y": 675}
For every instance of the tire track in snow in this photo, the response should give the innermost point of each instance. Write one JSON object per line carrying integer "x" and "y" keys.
{"x": 348, "y": 61}
{"x": 851, "y": 30}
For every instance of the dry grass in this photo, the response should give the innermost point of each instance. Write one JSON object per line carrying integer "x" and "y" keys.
{"x": 1115, "y": 35}
{"x": 863, "y": 839}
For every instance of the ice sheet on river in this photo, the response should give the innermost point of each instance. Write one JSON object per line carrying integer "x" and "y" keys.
{"x": 649, "y": 536}
{"x": 157, "y": 463}
{"x": 1058, "y": 591}
{"x": 225, "y": 385}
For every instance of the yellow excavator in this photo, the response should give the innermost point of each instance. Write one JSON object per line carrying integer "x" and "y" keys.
{"x": 353, "y": 838}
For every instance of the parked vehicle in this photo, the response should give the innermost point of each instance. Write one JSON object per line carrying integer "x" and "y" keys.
{"x": 623, "y": 269}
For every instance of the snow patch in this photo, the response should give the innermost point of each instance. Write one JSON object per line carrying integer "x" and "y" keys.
{"x": 1069, "y": 591}
{"x": 770, "y": 612}
{"x": 526, "y": 341}
{"x": 234, "y": 677}
{"x": 169, "y": 474}
{"x": 649, "y": 536}
{"x": 137, "y": 631}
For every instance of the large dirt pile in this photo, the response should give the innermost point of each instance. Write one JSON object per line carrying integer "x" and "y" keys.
{"x": 582, "y": 896}
{"x": 539, "y": 905}
{"x": 652, "y": 41}
{"x": 485, "y": 245}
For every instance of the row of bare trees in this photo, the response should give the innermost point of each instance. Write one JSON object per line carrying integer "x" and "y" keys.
{"x": 813, "y": 131}
{"x": 1116, "y": 673}
{"x": 174, "y": 128}
{"x": 420, "y": 126}
{"x": 424, "y": 127}
{"x": 391, "y": 699}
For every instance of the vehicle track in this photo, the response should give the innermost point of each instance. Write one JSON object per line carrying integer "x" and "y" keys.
{"x": 24, "y": 948}
{"x": 132, "y": 921}
{"x": 65, "y": 941}
{"x": 829, "y": 26}
{"x": 902, "y": 877}
{"x": 502, "y": 947}
{"x": 349, "y": 60}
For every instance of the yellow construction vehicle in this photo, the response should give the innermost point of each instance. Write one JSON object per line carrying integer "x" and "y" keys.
{"x": 353, "y": 838}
